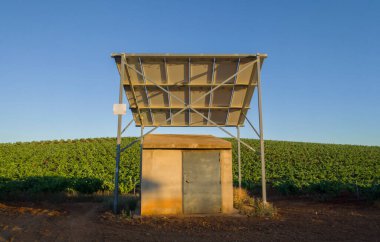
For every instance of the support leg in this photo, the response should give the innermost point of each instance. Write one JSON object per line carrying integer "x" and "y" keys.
{"x": 119, "y": 123}
{"x": 116, "y": 189}
{"x": 141, "y": 158}
{"x": 239, "y": 159}
{"x": 262, "y": 153}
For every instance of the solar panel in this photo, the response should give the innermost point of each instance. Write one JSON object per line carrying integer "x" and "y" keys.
{"x": 159, "y": 87}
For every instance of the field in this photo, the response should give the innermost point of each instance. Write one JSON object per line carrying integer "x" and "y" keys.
{"x": 61, "y": 191}
{"x": 293, "y": 168}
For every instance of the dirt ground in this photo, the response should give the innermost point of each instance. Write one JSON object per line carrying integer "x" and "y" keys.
{"x": 89, "y": 221}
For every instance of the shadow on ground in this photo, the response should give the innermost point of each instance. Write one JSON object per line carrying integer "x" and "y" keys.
{"x": 323, "y": 190}
{"x": 30, "y": 188}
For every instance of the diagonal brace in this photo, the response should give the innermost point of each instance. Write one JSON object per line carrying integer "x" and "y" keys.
{"x": 201, "y": 97}
{"x": 257, "y": 133}
{"x": 190, "y": 105}
{"x": 127, "y": 126}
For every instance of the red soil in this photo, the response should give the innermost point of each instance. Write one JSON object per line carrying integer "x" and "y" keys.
{"x": 297, "y": 220}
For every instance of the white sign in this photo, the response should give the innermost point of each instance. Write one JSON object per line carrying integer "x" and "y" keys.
{"x": 119, "y": 109}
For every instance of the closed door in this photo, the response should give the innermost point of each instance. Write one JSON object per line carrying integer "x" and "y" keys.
{"x": 201, "y": 182}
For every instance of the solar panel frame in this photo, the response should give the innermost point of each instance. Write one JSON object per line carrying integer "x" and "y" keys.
{"x": 176, "y": 78}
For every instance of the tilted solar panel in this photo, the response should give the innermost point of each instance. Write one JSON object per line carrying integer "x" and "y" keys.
{"x": 159, "y": 87}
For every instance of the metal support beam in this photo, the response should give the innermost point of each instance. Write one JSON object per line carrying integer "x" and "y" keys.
{"x": 188, "y": 106}
{"x": 167, "y": 87}
{"x": 246, "y": 98}
{"x": 198, "y": 99}
{"x": 153, "y": 129}
{"x": 232, "y": 93}
{"x": 189, "y": 97}
{"x": 132, "y": 89}
{"x": 239, "y": 157}
{"x": 146, "y": 90}
{"x": 262, "y": 154}
{"x": 224, "y": 130}
{"x": 126, "y": 127}
{"x": 210, "y": 100}
{"x": 257, "y": 133}
{"x": 118, "y": 141}
{"x": 141, "y": 158}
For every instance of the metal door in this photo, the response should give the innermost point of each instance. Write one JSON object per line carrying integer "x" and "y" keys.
{"x": 201, "y": 182}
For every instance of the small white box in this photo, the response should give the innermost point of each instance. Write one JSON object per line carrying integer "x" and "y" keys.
{"x": 119, "y": 109}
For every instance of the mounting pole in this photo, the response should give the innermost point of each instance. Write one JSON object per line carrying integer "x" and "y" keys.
{"x": 141, "y": 158}
{"x": 239, "y": 157}
{"x": 262, "y": 154}
{"x": 118, "y": 141}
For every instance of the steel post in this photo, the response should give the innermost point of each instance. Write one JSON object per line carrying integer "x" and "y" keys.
{"x": 262, "y": 153}
{"x": 188, "y": 106}
{"x": 141, "y": 158}
{"x": 116, "y": 190}
{"x": 239, "y": 157}
{"x": 118, "y": 142}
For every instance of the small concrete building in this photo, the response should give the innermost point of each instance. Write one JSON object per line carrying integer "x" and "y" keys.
{"x": 186, "y": 174}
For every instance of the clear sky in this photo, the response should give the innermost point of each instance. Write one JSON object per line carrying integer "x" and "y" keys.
{"x": 321, "y": 80}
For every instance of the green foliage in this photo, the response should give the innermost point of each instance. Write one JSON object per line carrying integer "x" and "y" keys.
{"x": 84, "y": 165}
{"x": 296, "y": 168}
{"x": 88, "y": 165}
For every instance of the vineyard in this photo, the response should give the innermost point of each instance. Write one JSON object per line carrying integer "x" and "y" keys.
{"x": 87, "y": 166}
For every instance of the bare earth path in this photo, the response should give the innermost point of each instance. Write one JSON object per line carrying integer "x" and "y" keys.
{"x": 298, "y": 220}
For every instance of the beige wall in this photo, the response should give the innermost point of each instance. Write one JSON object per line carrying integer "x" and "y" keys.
{"x": 161, "y": 185}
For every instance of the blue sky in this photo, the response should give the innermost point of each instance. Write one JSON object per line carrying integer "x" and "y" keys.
{"x": 320, "y": 80}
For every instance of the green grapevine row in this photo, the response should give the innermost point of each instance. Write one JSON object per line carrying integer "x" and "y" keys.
{"x": 87, "y": 165}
